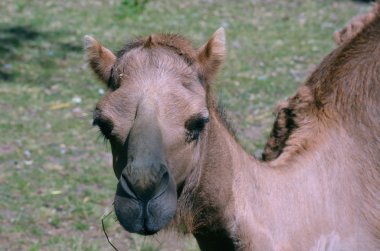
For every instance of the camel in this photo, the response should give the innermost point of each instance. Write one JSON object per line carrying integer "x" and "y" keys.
{"x": 178, "y": 163}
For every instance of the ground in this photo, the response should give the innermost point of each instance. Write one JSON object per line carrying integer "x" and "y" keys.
{"x": 56, "y": 180}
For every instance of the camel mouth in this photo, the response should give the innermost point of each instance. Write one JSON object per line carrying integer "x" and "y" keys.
{"x": 145, "y": 217}
{"x": 147, "y": 232}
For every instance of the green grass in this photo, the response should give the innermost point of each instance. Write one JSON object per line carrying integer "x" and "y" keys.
{"x": 56, "y": 179}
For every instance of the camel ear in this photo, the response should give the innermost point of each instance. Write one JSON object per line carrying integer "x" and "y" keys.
{"x": 99, "y": 58}
{"x": 211, "y": 55}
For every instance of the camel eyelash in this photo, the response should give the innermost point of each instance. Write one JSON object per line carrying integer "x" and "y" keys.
{"x": 102, "y": 137}
{"x": 105, "y": 127}
{"x": 195, "y": 126}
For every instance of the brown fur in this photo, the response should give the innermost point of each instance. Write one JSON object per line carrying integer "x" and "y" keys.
{"x": 320, "y": 191}
{"x": 282, "y": 128}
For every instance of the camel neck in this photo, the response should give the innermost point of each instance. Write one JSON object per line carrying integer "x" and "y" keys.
{"x": 220, "y": 155}
{"x": 222, "y": 144}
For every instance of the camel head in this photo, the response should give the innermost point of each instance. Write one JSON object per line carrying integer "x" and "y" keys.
{"x": 154, "y": 114}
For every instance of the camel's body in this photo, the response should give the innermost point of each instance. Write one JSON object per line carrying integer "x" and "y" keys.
{"x": 320, "y": 186}
{"x": 309, "y": 204}
{"x": 315, "y": 206}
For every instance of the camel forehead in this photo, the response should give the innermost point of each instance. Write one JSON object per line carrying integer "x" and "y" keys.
{"x": 154, "y": 68}
{"x": 156, "y": 79}
{"x": 173, "y": 42}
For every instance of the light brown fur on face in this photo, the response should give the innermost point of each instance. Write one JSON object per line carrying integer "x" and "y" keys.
{"x": 160, "y": 76}
{"x": 167, "y": 74}
{"x": 318, "y": 191}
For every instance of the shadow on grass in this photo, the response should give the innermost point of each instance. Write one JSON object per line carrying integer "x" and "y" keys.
{"x": 11, "y": 39}
{"x": 44, "y": 48}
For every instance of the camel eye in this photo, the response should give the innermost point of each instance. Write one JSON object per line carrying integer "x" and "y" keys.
{"x": 195, "y": 126}
{"x": 105, "y": 127}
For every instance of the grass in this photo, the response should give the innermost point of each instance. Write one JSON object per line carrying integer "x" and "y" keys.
{"x": 56, "y": 180}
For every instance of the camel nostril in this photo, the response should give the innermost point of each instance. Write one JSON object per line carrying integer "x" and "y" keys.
{"x": 144, "y": 182}
{"x": 165, "y": 178}
{"x": 162, "y": 185}
{"x": 164, "y": 173}
{"x": 126, "y": 186}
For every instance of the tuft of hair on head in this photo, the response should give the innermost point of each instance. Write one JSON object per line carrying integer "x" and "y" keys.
{"x": 99, "y": 58}
{"x": 149, "y": 42}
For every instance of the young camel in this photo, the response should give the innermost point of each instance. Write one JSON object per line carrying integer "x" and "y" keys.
{"x": 174, "y": 157}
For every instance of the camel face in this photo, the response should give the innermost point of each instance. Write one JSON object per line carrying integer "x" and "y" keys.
{"x": 153, "y": 116}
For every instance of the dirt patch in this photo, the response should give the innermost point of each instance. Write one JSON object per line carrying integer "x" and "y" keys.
{"x": 7, "y": 149}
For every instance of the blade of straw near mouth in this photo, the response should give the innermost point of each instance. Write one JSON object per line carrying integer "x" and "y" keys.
{"x": 105, "y": 215}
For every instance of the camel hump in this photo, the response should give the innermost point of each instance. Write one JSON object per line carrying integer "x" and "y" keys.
{"x": 356, "y": 25}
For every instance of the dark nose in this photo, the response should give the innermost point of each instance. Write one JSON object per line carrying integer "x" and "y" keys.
{"x": 144, "y": 182}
